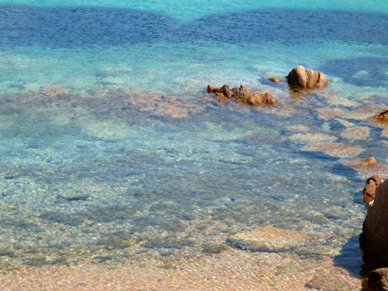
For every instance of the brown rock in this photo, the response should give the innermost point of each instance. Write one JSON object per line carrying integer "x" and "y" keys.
{"x": 334, "y": 149}
{"x": 300, "y": 78}
{"x": 329, "y": 282}
{"x": 374, "y": 237}
{"x": 243, "y": 95}
{"x": 383, "y": 115}
{"x": 378, "y": 280}
{"x": 367, "y": 167}
{"x": 371, "y": 161}
{"x": 329, "y": 113}
{"x": 275, "y": 79}
{"x": 368, "y": 194}
{"x": 54, "y": 91}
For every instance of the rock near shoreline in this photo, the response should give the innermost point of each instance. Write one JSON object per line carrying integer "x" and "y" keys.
{"x": 374, "y": 237}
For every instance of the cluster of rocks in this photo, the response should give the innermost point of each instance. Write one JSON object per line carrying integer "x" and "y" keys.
{"x": 298, "y": 79}
{"x": 374, "y": 238}
{"x": 243, "y": 95}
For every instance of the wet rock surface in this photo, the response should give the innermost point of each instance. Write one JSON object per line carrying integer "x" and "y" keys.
{"x": 300, "y": 78}
{"x": 378, "y": 280}
{"x": 383, "y": 115}
{"x": 368, "y": 194}
{"x": 275, "y": 79}
{"x": 243, "y": 95}
{"x": 374, "y": 237}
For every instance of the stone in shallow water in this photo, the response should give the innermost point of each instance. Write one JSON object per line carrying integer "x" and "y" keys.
{"x": 54, "y": 91}
{"x": 275, "y": 79}
{"x": 383, "y": 115}
{"x": 173, "y": 107}
{"x": 271, "y": 239}
{"x": 329, "y": 282}
{"x": 368, "y": 194}
{"x": 361, "y": 113}
{"x": 356, "y": 133}
{"x": 329, "y": 113}
{"x": 312, "y": 137}
{"x": 298, "y": 128}
{"x": 344, "y": 122}
{"x": 300, "y": 78}
{"x": 367, "y": 167}
{"x": 384, "y": 133}
{"x": 335, "y": 149}
{"x": 243, "y": 95}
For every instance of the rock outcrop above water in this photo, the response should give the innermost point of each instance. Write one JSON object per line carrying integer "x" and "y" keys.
{"x": 383, "y": 115}
{"x": 368, "y": 194}
{"x": 378, "y": 280}
{"x": 301, "y": 79}
{"x": 243, "y": 95}
{"x": 275, "y": 79}
{"x": 374, "y": 237}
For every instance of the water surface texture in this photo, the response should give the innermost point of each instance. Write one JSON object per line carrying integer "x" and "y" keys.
{"x": 111, "y": 147}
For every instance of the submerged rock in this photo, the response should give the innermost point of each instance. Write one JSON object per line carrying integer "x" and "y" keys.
{"x": 368, "y": 194}
{"x": 367, "y": 167}
{"x": 272, "y": 239}
{"x": 335, "y": 149}
{"x": 243, "y": 95}
{"x": 384, "y": 133}
{"x": 54, "y": 91}
{"x": 374, "y": 237}
{"x": 360, "y": 113}
{"x": 312, "y": 137}
{"x": 356, "y": 133}
{"x": 329, "y": 282}
{"x": 172, "y": 107}
{"x": 300, "y": 78}
{"x": 329, "y": 113}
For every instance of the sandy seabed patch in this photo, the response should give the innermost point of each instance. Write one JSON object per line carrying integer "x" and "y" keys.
{"x": 229, "y": 270}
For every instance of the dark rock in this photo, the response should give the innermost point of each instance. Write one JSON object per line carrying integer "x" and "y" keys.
{"x": 374, "y": 236}
{"x": 378, "y": 280}
{"x": 300, "y": 78}
{"x": 368, "y": 194}
{"x": 243, "y": 95}
{"x": 383, "y": 115}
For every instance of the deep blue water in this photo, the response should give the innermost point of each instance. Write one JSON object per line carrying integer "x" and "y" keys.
{"x": 133, "y": 151}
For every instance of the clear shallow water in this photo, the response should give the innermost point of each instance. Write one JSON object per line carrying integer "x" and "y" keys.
{"x": 109, "y": 168}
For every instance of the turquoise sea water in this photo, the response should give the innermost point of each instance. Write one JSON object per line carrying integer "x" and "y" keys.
{"x": 110, "y": 146}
